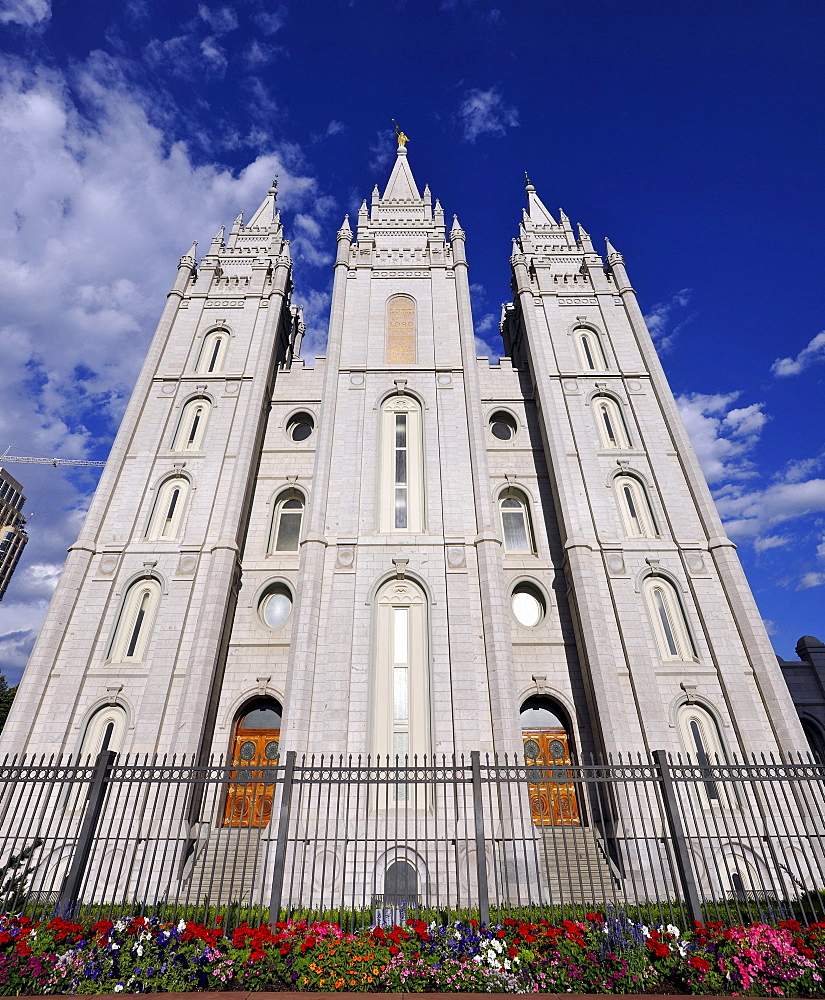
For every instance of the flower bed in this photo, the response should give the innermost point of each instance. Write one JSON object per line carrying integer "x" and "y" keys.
{"x": 595, "y": 955}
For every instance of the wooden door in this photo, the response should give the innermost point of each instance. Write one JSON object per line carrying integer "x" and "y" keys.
{"x": 552, "y": 803}
{"x": 249, "y": 797}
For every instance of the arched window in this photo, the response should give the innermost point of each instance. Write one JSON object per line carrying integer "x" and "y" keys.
{"x": 610, "y": 423}
{"x": 700, "y": 738}
{"x": 255, "y": 748}
{"x": 167, "y": 513}
{"x": 590, "y": 350}
{"x": 104, "y": 731}
{"x": 402, "y": 686}
{"x": 213, "y": 352}
{"x": 286, "y": 522}
{"x": 634, "y": 506}
{"x": 515, "y": 521}
{"x": 400, "y": 884}
{"x": 192, "y": 425}
{"x": 402, "y": 466}
{"x": 814, "y": 736}
{"x": 275, "y": 605}
{"x": 547, "y": 744}
{"x": 134, "y": 626}
{"x": 668, "y": 620}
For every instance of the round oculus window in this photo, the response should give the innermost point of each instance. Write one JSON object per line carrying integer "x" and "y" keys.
{"x": 528, "y": 606}
{"x": 275, "y": 608}
{"x": 300, "y": 427}
{"x": 502, "y": 426}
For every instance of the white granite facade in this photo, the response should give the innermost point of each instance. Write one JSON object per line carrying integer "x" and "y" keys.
{"x": 209, "y": 651}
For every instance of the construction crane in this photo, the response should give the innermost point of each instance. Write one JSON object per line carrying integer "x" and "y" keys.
{"x": 5, "y": 458}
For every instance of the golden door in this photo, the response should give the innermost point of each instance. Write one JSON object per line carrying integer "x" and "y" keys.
{"x": 552, "y": 803}
{"x": 249, "y": 797}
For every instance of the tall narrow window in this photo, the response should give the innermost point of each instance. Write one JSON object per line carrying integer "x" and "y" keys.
{"x": 104, "y": 731}
{"x": 134, "y": 626}
{"x": 634, "y": 507}
{"x": 515, "y": 522}
{"x": 286, "y": 522}
{"x": 401, "y": 493}
{"x": 610, "y": 423}
{"x": 401, "y": 683}
{"x": 213, "y": 352}
{"x": 402, "y": 466}
{"x": 167, "y": 513}
{"x": 668, "y": 620}
{"x": 701, "y": 740}
{"x": 192, "y": 425}
{"x": 590, "y": 350}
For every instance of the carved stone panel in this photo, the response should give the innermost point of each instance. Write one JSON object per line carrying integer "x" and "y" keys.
{"x": 401, "y": 330}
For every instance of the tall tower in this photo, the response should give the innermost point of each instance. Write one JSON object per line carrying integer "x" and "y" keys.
{"x": 133, "y": 649}
{"x": 675, "y": 653}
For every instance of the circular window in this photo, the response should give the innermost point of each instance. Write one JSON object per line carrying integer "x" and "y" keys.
{"x": 275, "y": 607}
{"x": 300, "y": 426}
{"x": 528, "y": 605}
{"x": 503, "y": 426}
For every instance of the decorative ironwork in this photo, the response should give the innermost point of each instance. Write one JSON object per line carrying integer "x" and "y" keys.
{"x": 271, "y": 750}
{"x": 556, "y": 749}
{"x": 531, "y": 749}
{"x": 247, "y": 750}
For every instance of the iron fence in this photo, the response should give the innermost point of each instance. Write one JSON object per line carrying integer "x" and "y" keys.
{"x": 369, "y": 841}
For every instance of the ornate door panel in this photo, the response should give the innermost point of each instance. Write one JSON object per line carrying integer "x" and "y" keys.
{"x": 552, "y": 803}
{"x": 249, "y": 797}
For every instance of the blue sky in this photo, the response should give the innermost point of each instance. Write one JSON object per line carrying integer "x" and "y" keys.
{"x": 691, "y": 134}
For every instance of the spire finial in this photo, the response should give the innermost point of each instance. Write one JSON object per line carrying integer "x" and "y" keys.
{"x": 527, "y": 183}
{"x": 274, "y": 188}
{"x": 402, "y": 139}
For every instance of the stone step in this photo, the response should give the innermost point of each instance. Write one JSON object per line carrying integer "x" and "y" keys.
{"x": 575, "y": 866}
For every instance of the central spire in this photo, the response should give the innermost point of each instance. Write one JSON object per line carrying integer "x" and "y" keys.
{"x": 401, "y": 185}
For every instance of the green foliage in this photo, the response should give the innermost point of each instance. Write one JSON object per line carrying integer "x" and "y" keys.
{"x": 6, "y": 698}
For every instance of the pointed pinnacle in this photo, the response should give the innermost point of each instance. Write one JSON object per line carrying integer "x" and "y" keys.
{"x": 274, "y": 188}
{"x": 218, "y": 237}
{"x": 610, "y": 248}
{"x": 527, "y": 184}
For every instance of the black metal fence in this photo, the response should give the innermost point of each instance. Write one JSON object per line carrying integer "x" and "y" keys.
{"x": 371, "y": 841}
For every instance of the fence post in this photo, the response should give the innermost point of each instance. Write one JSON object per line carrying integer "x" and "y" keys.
{"x": 70, "y": 890}
{"x": 280, "y": 846}
{"x": 481, "y": 855}
{"x": 677, "y": 836}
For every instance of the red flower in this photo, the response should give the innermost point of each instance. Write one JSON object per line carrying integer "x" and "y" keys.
{"x": 597, "y": 917}
{"x": 659, "y": 948}
{"x": 699, "y": 963}
{"x": 394, "y": 950}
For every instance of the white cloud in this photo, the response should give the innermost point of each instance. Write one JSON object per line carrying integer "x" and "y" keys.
{"x": 811, "y": 580}
{"x": 29, "y": 13}
{"x": 96, "y": 207}
{"x": 770, "y": 626}
{"x": 815, "y": 351}
{"x": 214, "y": 54}
{"x": 220, "y": 19}
{"x": 722, "y": 436}
{"x": 771, "y": 542}
{"x": 798, "y": 469}
{"x": 485, "y": 112}
{"x": 270, "y": 21}
{"x": 660, "y": 317}
{"x": 749, "y": 514}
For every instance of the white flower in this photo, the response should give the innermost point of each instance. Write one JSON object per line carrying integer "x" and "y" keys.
{"x": 672, "y": 930}
{"x": 115, "y": 947}
{"x": 645, "y": 930}
{"x": 119, "y": 988}
{"x": 139, "y": 950}
{"x": 181, "y": 925}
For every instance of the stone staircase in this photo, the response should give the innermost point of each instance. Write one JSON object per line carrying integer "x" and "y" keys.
{"x": 575, "y": 866}
{"x": 227, "y": 866}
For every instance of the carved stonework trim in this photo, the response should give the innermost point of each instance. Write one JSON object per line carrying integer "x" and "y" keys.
{"x": 400, "y": 386}
{"x": 654, "y": 565}
{"x": 400, "y": 567}
{"x": 148, "y": 566}
{"x": 689, "y": 687}
{"x": 112, "y": 691}
{"x": 540, "y": 680}
{"x": 262, "y": 684}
